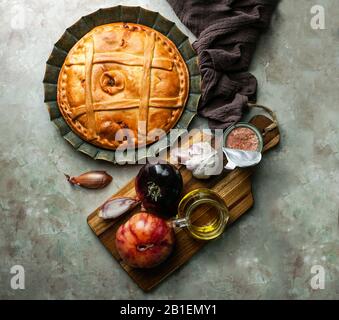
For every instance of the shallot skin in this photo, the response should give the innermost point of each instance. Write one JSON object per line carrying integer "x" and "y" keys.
{"x": 91, "y": 179}
{"x": 114, "y": 208}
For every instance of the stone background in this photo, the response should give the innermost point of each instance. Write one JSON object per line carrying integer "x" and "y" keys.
{"x": 267, "y": 254}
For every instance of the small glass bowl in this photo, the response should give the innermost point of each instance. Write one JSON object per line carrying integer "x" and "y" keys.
{"x": 249, "y": 126}
{"x": 206, "y": 223}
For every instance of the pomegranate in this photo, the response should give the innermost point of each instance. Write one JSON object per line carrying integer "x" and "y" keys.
{"x": 144, "y": 241}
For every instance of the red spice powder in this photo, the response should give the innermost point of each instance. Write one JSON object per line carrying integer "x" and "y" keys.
{"x": 243, "y": 139}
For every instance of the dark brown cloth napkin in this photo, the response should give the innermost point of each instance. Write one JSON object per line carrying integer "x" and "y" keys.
{"x": 227, "y": 32}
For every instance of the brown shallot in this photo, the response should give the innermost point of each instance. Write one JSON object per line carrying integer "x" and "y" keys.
{"x": 91, "y": 179}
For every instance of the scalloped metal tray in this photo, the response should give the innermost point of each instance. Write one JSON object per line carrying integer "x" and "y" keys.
{"x": 109, "y": 15}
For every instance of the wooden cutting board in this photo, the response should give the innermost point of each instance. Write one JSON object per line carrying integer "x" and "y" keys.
{"x": 234, "y": 187}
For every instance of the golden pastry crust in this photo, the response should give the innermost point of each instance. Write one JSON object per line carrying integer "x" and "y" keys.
{"x": 118, "y": 74}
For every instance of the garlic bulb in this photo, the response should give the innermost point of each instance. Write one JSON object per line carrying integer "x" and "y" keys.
{"x": 200, "y": 158}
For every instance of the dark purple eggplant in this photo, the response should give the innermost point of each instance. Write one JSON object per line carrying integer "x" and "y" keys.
{"x": 159, "y": 188}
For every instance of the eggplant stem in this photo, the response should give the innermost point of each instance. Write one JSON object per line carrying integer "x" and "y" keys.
{"x": 154, "y": 191}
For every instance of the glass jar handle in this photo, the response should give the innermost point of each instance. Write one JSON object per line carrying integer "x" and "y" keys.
{"x": 179, "y": 223}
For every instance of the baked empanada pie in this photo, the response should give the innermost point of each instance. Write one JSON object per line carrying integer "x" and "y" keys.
{"x": 121, "y": 76}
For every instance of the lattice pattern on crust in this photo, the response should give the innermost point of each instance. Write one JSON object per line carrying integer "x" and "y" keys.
{"x": 89, "y": 131}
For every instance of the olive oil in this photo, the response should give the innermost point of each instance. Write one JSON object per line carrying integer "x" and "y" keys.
{"x": 204, "y": 213}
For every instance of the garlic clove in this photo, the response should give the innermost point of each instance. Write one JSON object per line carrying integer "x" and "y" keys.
{"x": 200, "y": 158}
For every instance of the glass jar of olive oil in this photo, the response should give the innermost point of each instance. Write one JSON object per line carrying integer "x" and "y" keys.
{"x": 204, "y": 213}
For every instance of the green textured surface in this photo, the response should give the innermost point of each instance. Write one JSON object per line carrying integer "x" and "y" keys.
{"x": 130, "y": 14}
{"x": 105, "y": 155}
{"x": 176, "y": 35}
{"x": 61, "y": 125}
{"x": 57, "y": 57}
{"x": 267, "y": 254}
{"x": 50, "y": 92}
{"x": 192, "y": 102}
{"x": 185, "y": 119}
{"x": 193, "y": 67}
{"x": 79, "y": 28}
{"x": 51, "y": 74}
{"x": 53, "y": 110}
{"x": 73, "y": 139}
{"x": 195, "y": 85}
{"x": 147, "y": 17}
{"x": 162, "y": 24}
{"x": 67, "y": 41}
{"x": 88, "y": 149}
{"x": 186, "y": 50}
